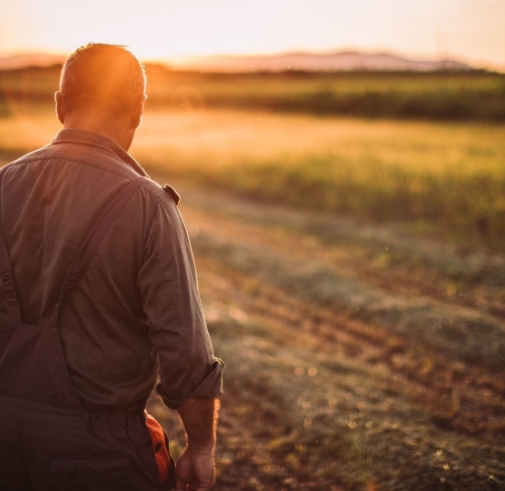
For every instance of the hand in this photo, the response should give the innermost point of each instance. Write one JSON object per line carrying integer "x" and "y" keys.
{"x": 195, "y": 471}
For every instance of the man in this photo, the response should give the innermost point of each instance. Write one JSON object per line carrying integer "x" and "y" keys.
{"x": 99, "y": 298}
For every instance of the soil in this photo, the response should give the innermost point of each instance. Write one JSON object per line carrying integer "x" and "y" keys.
{"x": 358, "y": 356}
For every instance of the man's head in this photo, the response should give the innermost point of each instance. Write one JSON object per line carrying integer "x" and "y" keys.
{"x": 101, "y": 84}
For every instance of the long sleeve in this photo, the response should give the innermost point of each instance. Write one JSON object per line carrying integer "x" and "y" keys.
{"x": 170, "y": 299}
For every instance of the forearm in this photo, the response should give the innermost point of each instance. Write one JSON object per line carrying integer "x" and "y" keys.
{"x": 199, "y": 417}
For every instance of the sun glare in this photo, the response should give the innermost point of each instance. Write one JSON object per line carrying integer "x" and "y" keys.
{"x": 156, "y": 29}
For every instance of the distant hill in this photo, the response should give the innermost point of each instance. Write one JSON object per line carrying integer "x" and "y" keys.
{"x": 339, "y": 61}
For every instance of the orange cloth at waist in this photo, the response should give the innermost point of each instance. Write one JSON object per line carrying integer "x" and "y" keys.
{"x": 163, "y": 460}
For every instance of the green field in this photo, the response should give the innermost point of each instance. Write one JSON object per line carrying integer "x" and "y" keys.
{"x": 443, "y": 177}
{"x": 436, "y": 177}
{"x": 443, "y": 96}
{"x": 458, "y": 96}
{"x": 254, "y": 134}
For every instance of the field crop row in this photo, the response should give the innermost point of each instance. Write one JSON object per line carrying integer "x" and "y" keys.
{"x": 440, "y": 96}
{"x": 443, "y": 96}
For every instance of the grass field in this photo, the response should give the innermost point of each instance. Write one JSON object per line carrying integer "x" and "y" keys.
{"x": 444, "y": 96}
{"x": 436, "y": 177}
{"x": 438, "y": 96}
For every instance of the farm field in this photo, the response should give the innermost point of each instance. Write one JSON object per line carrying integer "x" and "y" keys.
{"x": 439, "y": 96}
{"x": 435, "y": 177}
{"x": 454, "y": 96}
{"x": 440, "y": 177}
{"x": 353, "y": 279}
{"x": 354, "y": 362}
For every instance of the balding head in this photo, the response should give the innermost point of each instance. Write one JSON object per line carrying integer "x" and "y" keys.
{"x": 102, "y": 77}
{"x": 101, "y": 84}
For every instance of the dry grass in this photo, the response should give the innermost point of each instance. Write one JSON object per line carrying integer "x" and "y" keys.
{"x": 437, "y": 176}
{"x": 232, "y": 137}
{"x": 317, "y": 398}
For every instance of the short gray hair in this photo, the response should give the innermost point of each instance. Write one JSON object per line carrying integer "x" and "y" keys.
{"x": 102, "y": 76}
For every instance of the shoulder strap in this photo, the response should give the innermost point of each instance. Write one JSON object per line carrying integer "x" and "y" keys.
{"x": 172, "y": 193}
{"x": 94, "y": 239}
{"x": 7, "y": 276}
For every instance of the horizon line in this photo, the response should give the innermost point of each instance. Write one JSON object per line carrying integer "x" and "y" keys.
{"x": 185, "y": 59}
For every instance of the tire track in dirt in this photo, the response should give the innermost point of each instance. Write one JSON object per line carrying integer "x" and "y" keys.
{"x": 326, "y": 418}
{"x": 337, "y": 379}
{"x": 462, "y": 333}
{"x": 387, "y": 255}
{"x": 461, "y": 397}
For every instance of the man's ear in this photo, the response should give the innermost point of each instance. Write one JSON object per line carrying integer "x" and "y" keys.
{"x": 138, "y": 112}
{"x": 59, "y": 107}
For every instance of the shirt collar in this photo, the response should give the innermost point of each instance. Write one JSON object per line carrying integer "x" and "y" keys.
{"x": 101, "y": 141}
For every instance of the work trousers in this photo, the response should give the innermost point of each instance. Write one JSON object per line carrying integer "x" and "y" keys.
{"x": 43, "y": 448}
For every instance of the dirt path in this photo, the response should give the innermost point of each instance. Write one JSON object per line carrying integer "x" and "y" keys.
{"x": 358, "y": 357}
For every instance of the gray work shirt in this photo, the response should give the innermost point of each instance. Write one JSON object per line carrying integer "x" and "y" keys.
{"x": 136, "y": 313}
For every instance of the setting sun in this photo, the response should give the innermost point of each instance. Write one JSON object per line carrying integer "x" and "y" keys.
{"x": 157, "y": 29}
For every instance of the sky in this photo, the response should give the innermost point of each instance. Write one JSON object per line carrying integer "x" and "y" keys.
{"x": 467, "y": 30}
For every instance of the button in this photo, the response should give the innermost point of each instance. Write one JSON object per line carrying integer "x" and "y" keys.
{"x": 157, "y": 448}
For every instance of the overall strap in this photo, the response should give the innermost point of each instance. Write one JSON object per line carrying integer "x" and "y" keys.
{"x": 94, "y": 239}
{"x": 7, "y": 276}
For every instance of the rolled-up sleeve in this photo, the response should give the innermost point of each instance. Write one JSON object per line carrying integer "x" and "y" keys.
{"x": 170, "y": 299}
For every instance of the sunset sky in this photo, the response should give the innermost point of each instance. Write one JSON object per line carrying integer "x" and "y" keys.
{"x": 469, "y": 30}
